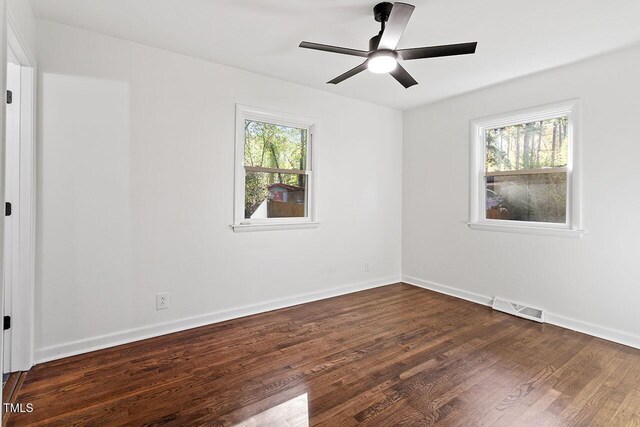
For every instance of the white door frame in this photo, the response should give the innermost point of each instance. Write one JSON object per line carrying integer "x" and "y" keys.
{"x": 23, "y": 254}
{"x": 3, "y": 68}
{"x": 11, "y": 194}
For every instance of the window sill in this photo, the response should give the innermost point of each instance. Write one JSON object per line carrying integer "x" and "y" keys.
{"x": 242, "y": 228}
{"x": 543, "y": 231}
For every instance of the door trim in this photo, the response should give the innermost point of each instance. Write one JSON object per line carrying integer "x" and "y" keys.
{"x": 22, "y": 295}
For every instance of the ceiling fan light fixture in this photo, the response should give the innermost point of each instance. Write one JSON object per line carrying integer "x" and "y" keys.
{"x": 382, "y": 62}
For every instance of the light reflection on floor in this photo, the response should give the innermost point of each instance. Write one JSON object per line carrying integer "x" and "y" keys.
{"x": 294, "y": 412}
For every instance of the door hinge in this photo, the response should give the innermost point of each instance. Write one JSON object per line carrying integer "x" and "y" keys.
{"x": 7, "y": 323}
{"x": 7, "y": 209}
{"x": 9, "y": 97}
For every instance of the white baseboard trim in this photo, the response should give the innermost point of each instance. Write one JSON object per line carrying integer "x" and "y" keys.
{"x": 598, "y": 331}
{"x": 136, "y": 334}
{"x": 447, "y": 290}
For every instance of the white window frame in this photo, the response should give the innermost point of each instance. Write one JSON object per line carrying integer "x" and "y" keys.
{"x": 478, "y": 221}
{"x": 241, "y": 223}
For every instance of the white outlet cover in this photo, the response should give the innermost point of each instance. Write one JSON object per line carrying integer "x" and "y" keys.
{"x": 162, "y": 301}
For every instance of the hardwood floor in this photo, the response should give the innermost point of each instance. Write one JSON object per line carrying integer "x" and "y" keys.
{"x": 10, "y": 391}
{"x": 396, "y": 355}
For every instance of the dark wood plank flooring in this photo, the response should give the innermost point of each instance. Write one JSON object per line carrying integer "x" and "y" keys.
{"x": 10, "y": 391}
{"x": 396, "y": 355}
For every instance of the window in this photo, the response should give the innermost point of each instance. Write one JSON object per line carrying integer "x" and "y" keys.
{"x": 524, "y": 171}
{"x": 274, "y": 170}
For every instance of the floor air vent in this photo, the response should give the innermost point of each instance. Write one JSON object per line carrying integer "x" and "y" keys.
{"x": 518, "y": 310}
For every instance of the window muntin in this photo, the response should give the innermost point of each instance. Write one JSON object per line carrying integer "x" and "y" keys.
{"x": 274, "y": 179}
{"x": 526, "y": 171}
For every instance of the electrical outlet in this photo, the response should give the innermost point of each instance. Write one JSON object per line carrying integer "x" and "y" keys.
{"x": 366, "y": 267}
{"x": 162, "y": 301}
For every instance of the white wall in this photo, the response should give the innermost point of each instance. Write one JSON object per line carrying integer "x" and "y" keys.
{"x": 592, "y": 284}
{"x": 136, "y": 193}
{"x": 21, "y": 17}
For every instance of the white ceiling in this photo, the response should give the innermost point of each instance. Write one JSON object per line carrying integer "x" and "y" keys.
{"x": 515, "y": 37}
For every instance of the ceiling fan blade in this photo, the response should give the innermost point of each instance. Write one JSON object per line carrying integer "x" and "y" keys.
{"x": 434, "y": 51}
{"x": 398, "y": 20}
{"x": 352, "y": 72}
{"x": 334, "y": 49}
{"x": 403, "y": 77}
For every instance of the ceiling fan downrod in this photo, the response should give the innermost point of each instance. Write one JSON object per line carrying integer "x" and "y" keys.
{"x": 381, "y": 13}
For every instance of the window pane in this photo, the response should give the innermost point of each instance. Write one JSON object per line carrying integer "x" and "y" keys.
{"x": 274, "y": 146}
{"x": 274, "y": 195}
{"x": 539, "y": 197}
{"x": 534, "y": 145}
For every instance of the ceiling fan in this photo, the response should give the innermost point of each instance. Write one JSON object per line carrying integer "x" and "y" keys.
{"x": 382, "y": 56}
